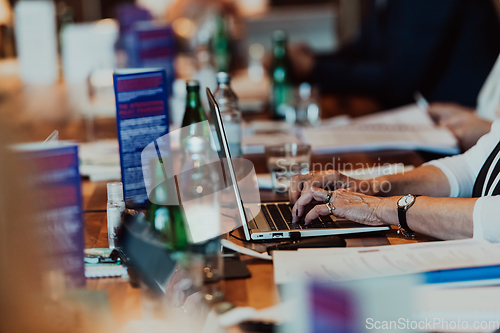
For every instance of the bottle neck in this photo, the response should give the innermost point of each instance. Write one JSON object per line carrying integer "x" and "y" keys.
{"x": 223, "y": 86}
{"x": 279, "y": 49}
{"x": 193, "y": 99}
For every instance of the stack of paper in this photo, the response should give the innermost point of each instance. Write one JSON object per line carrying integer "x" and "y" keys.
{"x": 343, "y": 264}
{"x": 100, "y": 160}
{"x": 265, "y": 182}
{"x": 404, "y": 128}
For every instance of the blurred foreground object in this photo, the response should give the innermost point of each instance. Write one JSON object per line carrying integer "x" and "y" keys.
{"x": 55, "y": 177}
{"x": 170, "y": 281}
{"x": 165, "y": 214}
{"x": 5, "y": 13}
{"x": 40, "y": 225}
{"x": 351, "y": 307}
{"x": 200, "y": 184}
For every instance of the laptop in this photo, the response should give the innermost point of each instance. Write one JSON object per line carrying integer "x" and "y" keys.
{"x": 274, "y": 220}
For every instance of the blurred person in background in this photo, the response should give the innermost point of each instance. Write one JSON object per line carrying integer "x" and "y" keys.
{"x": 5, "y": 22}
{"x": 462, "y": 121}
{"x": 469, "y": 124}
{"x": 444, "y": 49}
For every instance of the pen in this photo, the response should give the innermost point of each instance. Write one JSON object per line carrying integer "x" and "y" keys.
{"x": 463, "y": 274}
{"x": 421, "y": 101}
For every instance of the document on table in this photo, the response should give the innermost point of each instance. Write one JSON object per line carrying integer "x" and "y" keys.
{"x": 343, "y": 264}
{"x": 406, "y": 115}
{"x": 265, "y": 182}
{"x": 100, "y": 160}
{"x": 404, "y": 128}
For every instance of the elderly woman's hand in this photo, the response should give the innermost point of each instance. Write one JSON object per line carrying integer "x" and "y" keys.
{"x": 347, "y": 204}
{"x": 327, "y": 180}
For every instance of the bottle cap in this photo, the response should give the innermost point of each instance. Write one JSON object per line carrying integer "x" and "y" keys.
{"x": 115, "y": 191}
{"x": 192, "y": 85}
{"x": 304, "y": 90}
{"x": 223, "y": 77}
{"x": 195, "y": 144}
{"x": 279, "y": 35}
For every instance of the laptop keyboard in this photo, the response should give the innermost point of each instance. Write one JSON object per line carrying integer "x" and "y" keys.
{"x": 279, "y": 217}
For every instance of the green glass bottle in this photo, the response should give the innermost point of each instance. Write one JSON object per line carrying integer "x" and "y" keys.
{"x": 282, "y": 91}
{"x": 167, "y": 219}
{"x": 193, "y": 117}
{"x": 220, "y": 44}
{"x": 180, "y": 234}
{"x": 194, "y": 110}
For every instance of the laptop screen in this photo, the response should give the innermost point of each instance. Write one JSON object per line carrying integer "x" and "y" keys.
{"x": 225, "y": 157}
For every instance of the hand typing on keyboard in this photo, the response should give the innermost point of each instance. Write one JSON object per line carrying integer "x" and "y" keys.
{"x": 327, "y": 180}
{"x": 350, "y": 198}
{"x": 344, "y": 203}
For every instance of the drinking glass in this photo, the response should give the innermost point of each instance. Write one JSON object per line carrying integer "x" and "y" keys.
{"x": 285, "y": 161}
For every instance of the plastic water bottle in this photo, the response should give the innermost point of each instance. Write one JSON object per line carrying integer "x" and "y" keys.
{"x": 115, "y": 207}
{"x": 231, "y": 115}
{"x": 307, "y": 111}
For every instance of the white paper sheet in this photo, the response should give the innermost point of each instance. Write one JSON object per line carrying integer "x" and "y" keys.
{"x": 343, "y": 264}
{"x": 405, "y": 128}
{"x": 265, "y": 181}
{"x": 100, "y": 160}
{"x": 407, "y": 115}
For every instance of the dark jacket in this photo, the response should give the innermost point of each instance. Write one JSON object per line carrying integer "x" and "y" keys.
{"x": 442, "y": 48}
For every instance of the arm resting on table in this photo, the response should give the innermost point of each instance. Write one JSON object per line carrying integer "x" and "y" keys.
{"x": 444, "y": 218}
{"x": 425, "y": 180}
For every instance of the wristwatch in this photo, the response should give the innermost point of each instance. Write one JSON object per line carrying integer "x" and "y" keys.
{"x": 404, "y": 203}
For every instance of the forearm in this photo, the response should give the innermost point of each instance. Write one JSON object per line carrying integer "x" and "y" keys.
{"x": 443, "y": 218}
{"x": 425, "y": 180}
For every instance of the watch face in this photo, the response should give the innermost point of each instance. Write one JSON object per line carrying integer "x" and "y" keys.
{"x": 405, "y": 201}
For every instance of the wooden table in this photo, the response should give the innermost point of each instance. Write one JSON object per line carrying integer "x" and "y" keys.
{"x": 34, "y": 112}
{"x": 259, "y": 291}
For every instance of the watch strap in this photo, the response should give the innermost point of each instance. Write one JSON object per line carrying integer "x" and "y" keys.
{"x": 403, "y": 224}
{"x": 402, "y": 219}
